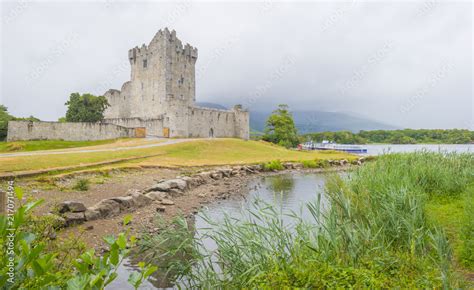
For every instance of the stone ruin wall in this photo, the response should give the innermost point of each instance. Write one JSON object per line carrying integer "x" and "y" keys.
{"x": 154, "y": 127}
{"x": 224, "y": 123}
{"x": 27, "y": 130}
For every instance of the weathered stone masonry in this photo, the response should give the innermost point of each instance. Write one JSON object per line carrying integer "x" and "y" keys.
{"x": 161, "y": 95}
{"x": 27, "y": 130}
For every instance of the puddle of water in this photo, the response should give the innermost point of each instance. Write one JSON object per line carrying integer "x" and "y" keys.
{"x": 288, "y": 192}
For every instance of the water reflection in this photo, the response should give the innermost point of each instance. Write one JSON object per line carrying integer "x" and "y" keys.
{"x": 283, "y": 184}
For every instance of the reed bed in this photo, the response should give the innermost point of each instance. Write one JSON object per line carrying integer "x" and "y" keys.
{"x": 375, "y": 233}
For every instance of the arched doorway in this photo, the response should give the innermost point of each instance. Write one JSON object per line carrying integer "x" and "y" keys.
{"x": 211, "y": 133}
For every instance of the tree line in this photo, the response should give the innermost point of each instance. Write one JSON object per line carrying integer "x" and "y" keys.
{"x": 405, "y": 136}
{"x": 280, "y": 129}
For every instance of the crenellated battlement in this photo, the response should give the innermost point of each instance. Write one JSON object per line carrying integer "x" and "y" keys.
{"x": 163, "y": 40}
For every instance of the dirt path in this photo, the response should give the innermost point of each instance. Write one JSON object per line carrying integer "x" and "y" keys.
{"x": 79, "y": 150}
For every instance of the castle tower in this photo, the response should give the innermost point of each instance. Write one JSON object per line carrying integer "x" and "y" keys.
{"x": 162, "y": 74}
{"x": 161, "y": 94}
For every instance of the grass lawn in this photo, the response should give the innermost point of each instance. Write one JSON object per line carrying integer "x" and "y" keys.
{"x": 191, "y": 153}
{"x": 21, "y": 146}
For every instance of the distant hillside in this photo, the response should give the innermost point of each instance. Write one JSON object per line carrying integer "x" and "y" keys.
{"x": 318, "y": 121}
{"x": 315, "y": 121}
{"x": 210, "y": 105}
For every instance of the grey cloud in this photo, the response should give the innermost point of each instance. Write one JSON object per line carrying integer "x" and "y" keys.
{"x": 371, "y": 58}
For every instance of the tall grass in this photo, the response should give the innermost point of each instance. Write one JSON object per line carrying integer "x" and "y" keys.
{"x": 375, "y": 233}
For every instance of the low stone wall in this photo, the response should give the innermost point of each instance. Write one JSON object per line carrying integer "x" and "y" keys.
{"x": 27, "y": 130}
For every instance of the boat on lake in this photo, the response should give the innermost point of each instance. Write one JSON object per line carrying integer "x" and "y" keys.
{"x": 326, "y": 145}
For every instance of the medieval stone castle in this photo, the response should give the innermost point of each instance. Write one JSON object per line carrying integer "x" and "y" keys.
{"x": 159, "y": 99}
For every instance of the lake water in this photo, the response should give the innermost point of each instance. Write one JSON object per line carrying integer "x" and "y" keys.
{"x": 377, "y": 149}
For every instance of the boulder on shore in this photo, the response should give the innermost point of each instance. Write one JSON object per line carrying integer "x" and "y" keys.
{"x": 177, "y": 183}
{"x": 141, "y": 199}
{"x": 71, "y": 206}
{"x": 108, "y": 207}
{"x": 74, "y": 218}
{"x": 92, "y": 214}
{"x": 167, "y": 202}
{"x": 156, "y": 195}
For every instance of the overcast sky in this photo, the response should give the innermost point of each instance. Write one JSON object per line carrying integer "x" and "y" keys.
{"x": 407, "y": 64}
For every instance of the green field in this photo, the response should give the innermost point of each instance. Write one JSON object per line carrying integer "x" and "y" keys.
{"x": 23, "y": 146}
{"x": 190, "y": 153}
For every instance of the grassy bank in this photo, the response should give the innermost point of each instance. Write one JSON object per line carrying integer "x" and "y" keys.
{"x": 24, "y": 146}
{"x": 385, "y": 228}
{"x": 191, "y": 153}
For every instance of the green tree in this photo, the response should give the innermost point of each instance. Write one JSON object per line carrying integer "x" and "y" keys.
{"x": 85, "y": 108}
{"x": 4, "y": 118}
{"x": 280, "y": 128}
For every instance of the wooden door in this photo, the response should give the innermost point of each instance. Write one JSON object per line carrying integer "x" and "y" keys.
{"x": 166, "y": 132}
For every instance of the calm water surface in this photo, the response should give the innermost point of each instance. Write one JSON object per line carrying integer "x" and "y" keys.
{"x": 377, "y": 149}
{"x": 287, "y": 192}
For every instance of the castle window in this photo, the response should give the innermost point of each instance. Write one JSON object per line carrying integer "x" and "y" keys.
{"x": 145, "y": 63}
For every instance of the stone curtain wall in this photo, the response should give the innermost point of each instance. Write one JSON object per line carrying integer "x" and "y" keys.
{"x": 154, "y": 127}
{"x": 26, "y": 130}
{"x": 223, "y": 123}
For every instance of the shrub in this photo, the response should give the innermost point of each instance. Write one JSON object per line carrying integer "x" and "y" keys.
{"x": 318, "y": 163}
{"x": 310, "y": 164}
{"x": 81, "y": 184}
{"x": 274, "y": 165}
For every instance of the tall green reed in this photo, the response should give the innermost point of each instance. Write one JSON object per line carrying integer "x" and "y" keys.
{"x": 374, "y": 234}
